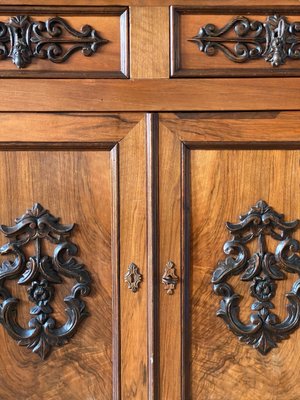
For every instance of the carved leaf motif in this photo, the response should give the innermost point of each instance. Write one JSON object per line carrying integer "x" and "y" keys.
{"x": 263, "y": 269}
{"x": 242, "y": 40}
{"x": 55, "y": 40}
{"x": 41, "y": 273}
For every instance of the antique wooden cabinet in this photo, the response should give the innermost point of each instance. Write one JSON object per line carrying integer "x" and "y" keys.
{"x": 150, "y": 200}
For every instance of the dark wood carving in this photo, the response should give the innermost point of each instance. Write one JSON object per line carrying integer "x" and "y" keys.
{"x": 262, "y": 269}
{"x": 55, "y": 40}
{"x": 241, "y": 40}
{"x": 133, "y": 277}
{"x": 41, "y": 272}
{"x": 169, "y": 278}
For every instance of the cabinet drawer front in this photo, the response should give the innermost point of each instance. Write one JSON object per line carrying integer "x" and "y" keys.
{"x": 234, "y": 41}
{"x": 64, "y": 42}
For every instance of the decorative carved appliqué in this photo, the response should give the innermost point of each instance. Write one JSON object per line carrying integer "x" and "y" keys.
{"x": 169, "y": 278}
{"x": 275, "y": 40}
{"x": 42, "y": 274}
{"x": 263, "y": 269}
{"x": 133, "y": 277}
{"x": 21, "y": 39}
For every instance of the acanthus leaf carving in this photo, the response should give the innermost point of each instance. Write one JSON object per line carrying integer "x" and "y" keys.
{"x": 41, "y": 273}
{"x": 22, "y": 39}
{"x": 275, "y": 40}
{"x": 263, "y": 269}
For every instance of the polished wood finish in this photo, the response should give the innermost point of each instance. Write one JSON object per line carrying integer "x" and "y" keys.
{"x": 109, "y": 61}
{"x": 150, "y": 94}
{"x": 222, "y": 173}
{"x": 188, "y": 61}
{"x": 150, "y": 168}
{"x": 84, "y": 160}
{"x": 149, "y": 55}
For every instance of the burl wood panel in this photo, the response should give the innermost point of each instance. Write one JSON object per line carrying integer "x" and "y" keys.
{"x": 109, "y": 61}
{"x": 75, "y": 185}
{"x": 188, "y": 61}
{"x": 224, "y": 184}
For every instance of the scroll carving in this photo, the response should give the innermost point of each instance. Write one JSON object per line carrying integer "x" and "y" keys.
{"x": 275, "y": 40}
{"x": 22, "y": 39}
{"x": 263, "y": 269}
{"x": 41, "y": 274}
{"x": 169, "y": 278}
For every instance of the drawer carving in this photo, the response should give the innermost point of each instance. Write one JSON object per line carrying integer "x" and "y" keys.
{"x": 54, "y": 40}
{"x": 42, "y": 275}
{"x": 275, "y": 40}
{"x": 263, "y": 269}
{"x": 64, "y": 42}
{"x": 236, "y": 41}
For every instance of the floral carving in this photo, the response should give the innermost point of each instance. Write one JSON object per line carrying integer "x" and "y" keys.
{"x": 275, "y": 40}
{"x": 263, "y": 269}
{"x": 41, "y": 272}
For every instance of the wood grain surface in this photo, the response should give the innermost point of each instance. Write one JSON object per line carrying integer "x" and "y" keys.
{"x": 155, "y": 3}
{"x": 133, "y": 239}
{"x": 149, "y": 55}
{"x": 149, "y": 95}
{"x": 69, "y": 163}
{"x": 109, "y": 61}
{"x": 188, "y": 61}
{"x": 223, "y": 172}
{"x": 66, "y": 183}
{"x": 225, "y": 183}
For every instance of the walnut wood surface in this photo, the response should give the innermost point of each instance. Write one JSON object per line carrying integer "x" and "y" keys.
{"x": 149, "y": 55}
{"x": 30, "y": 176}
{"x": 78, "y": 180}
{"x": 150, "y": 94}
{"x": 109, "y": 61}
{"x": 234, "y": 179}
{"x": 222, "y": 173}
{"x": 156, "y": 3}
{"x": 188, "y": 61}
{"x": 133, "y": 239}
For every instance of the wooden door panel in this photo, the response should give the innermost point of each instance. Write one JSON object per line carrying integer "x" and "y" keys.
{"x": 221, "y": 165}
{"x": 60, "y": 181}
{"x": 69, "y": 163}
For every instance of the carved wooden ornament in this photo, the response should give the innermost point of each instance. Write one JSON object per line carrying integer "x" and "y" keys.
{"x": 263, "y": 269}
{"x": 169, "y": 278}
{"x": 133, "y": 277}
{"x": 41, "y": 273}
{"x": 241, "y": 40}
{"x": 55, "y": 40}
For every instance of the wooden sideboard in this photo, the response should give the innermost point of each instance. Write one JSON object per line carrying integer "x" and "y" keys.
{"x": 150, "y": 200}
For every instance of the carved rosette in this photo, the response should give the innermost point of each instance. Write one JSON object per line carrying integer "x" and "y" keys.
{"x": 41, "y": 273}
{"x": 263, "y": 269}
{"x": 275, "y": 40}
{"x": 22, "y": 39}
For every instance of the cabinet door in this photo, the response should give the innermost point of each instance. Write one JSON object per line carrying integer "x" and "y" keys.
{"x": 214, "y": 167}
{"x": 82, "y": 169}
